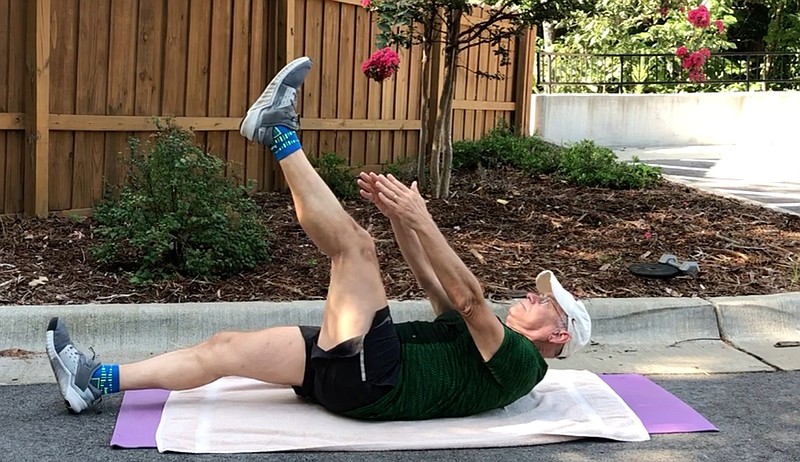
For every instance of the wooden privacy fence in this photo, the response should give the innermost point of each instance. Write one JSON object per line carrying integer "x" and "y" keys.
{"x": 78, "y": 78}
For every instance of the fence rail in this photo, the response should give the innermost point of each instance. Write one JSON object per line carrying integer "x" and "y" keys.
{"x": 643, "y": 73}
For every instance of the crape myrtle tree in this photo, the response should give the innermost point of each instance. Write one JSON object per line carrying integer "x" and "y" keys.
{"x": 690, "y": 28}
{"x": 426, "y": 22}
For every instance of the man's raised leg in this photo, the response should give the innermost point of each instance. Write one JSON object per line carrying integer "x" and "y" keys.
{"x": 356, "y": 289}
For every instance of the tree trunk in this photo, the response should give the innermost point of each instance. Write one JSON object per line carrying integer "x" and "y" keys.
{"x": 447, "y": 131}
{"x": 442, "y": 152}
{"x": 425, "y": 108}
{"x": 436, "y": 152}
{"x": 548, "y": 34}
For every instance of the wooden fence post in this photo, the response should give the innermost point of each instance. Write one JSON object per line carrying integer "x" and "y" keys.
{"x": 37, "y": 107}
{"x": 285, "y": 28}
{"x": 525, "y": 58}
{"x": 283, "y": 24}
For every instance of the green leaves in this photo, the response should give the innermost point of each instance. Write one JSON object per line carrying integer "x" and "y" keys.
{"x": 179, "y": 213}
{"x": 649, "y": 26}
{"x": 582, "y": 164}
{"x": 628, "y": 27}
{"x": 502, "y": 148}
{"x": 396, "y": 19}
{"x": 399, "y": 21}
{"x": 589, "y": 165}
{"x": 334, "y": 172}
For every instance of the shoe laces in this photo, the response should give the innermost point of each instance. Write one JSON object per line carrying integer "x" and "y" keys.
{"x": 289, "y": 98}
{"x": 79, "y": 357}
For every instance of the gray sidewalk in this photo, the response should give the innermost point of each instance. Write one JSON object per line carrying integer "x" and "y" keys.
{"x": 765, "y": 174}
{"x": 640, "y": 335}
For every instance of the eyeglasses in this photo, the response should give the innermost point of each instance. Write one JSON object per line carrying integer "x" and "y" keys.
{"x": 547, "y": 300}
{"x": 562, "y": 316}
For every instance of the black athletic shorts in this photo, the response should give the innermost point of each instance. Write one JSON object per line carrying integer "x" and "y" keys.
{"x": 354, "y": 373}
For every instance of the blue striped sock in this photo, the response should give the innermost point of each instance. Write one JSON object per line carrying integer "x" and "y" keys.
{"x": 106, "y": 378}
{"x": 284, "y": 142}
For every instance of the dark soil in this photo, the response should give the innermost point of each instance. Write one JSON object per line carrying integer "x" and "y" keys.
{"x": 17, "y": 353}
{"x": 505, "y": 226}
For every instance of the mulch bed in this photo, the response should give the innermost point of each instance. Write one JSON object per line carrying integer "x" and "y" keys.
{"x": 507, "y": 227}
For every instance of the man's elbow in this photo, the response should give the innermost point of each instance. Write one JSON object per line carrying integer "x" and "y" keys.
{"x": 468, "y": 302}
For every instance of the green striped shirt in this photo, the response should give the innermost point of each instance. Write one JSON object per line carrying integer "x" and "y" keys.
{"x": 444, "y": 375}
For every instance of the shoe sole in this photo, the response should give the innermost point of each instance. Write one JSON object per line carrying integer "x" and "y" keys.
{"x": 249, "y": 124}
{"x": 72, "y": 397}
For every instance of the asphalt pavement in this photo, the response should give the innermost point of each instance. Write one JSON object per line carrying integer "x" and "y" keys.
{"x": 718, "y": 355}
{"x": 757, "y": 413}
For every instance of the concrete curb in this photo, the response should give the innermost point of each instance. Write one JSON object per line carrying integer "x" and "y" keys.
{"x": 645, "y": 335}
{"x": 615, "y": 320}
{"x": 757, "y": 323}
{"x": 164, "y": 327}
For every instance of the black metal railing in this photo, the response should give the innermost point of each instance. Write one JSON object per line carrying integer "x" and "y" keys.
{"x": 650, "y": 73}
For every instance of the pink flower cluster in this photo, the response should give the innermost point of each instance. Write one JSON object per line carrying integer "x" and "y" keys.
{"x": 694, "y": 62}
{"x": 699, "y": 17}
{"x": 365, "y": 3}
{"x": 381, "y": 65}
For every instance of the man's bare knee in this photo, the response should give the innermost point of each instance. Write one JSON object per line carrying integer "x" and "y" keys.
{"x": 366, "y": 247}
{"x": 359, "y": 244}
{"x": 211, "y": 354}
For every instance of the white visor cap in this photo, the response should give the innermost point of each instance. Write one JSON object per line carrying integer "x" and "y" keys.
{"x": 579, "y": 324}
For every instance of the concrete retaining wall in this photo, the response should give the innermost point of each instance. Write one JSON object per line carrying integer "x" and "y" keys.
{"x": 667, "y": 119}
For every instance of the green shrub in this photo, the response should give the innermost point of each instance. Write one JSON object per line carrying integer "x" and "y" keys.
{"x": 178, "y": 212}
{"x": 582, "y": 164}
{"x": 336, "y": 174}
{"x": 501, "y": 147}
{"x": 467, "y": 155}
{"x": 404, "y": 169}
{"x": 637, "y": 175}
{"x": 586, "y": 164}
{"x": 543, "y": 159}
{"x": 497, "y": 148}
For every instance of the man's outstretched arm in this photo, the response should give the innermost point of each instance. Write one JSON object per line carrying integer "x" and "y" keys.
{"x": 461, "y": 286}
{"x": 411, "y": 249}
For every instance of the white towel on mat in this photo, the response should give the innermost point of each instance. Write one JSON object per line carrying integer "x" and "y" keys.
{"x": 242, "y": 415}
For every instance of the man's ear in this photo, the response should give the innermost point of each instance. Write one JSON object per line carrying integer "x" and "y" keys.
{"x": 560, "y": 337}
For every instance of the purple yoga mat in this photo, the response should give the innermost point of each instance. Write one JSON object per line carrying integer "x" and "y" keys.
{"x": 138, "y": 419}
{"x": 659, "y": 410}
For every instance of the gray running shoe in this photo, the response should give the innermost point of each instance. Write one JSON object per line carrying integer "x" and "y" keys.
{"x": 276, "y": 105}
{"x": 72, "y": 368}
